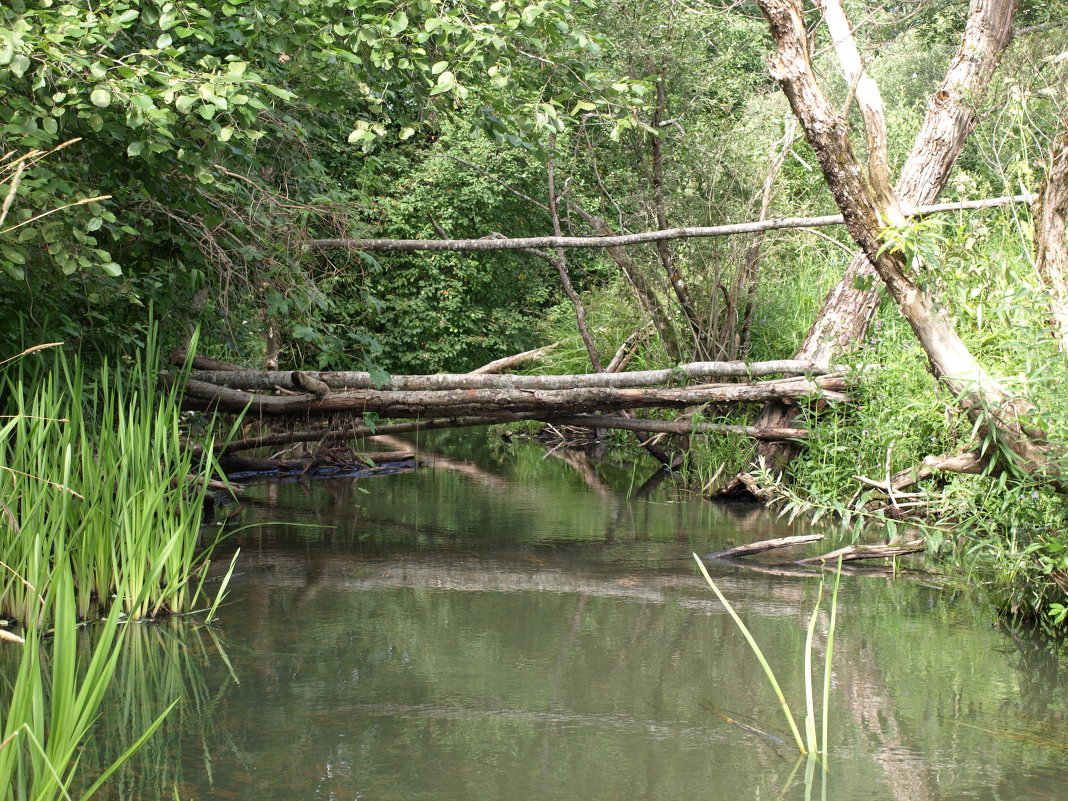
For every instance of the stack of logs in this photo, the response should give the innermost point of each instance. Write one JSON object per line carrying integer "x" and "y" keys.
{"x": 595, "y": 400}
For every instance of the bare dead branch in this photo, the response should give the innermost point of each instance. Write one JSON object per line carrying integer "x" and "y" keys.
{"x": 521, "y": 243}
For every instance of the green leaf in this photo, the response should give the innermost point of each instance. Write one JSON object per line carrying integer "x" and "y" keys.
{"x": 101, "y": 98}
{"x": 184, "y": 103}
{"x": 439, "y": 67}
{"x": 112, "y": 269}
{"x": 164, "y": 40}
{"x": 126, "y": 16}
{"x": 406, "y": 133}
{"x": 237, "y": 68}
{"x": 206, "y": 110}
{"x": 278, "y": 91}
{"x": 94, "y": 224}
{"x": 134, "y": 149}
{"x": 446, "y": 81}
{"x": 12, "y": 255}
{"x": 19, "y": 65}
{"x": 398, "y": 23}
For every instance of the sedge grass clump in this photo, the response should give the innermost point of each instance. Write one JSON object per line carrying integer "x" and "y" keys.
{"x": 92, "y": 473}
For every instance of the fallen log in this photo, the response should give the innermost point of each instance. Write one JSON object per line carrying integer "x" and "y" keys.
{"x": 852, "y": 553}
{"x": 297, "y": 380}
{"x": 178, "y": 357}
{"x": 508, "y": 362}
{"x": 202, "y": 396}
{"x": 674, "y": 426}
{"x": 627, "y": 350}
{"x": 970, "y": 463}
{"x": 765, "y": 545}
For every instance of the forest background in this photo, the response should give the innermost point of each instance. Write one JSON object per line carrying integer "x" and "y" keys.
{"x": 172, "y": 161}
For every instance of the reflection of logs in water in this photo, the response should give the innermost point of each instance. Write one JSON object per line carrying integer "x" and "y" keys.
{"x": 690, "y": 592}
{"x": 658, "y": 729}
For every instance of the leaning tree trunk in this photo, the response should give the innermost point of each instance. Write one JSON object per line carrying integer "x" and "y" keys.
{"x": 868, "y": 204}
{"x": 1051, "y": 249}
{"x": 848, "y": 309}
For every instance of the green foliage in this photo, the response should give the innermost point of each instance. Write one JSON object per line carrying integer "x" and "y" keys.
{"x": 452, "y": 311}
{"x": 208, "y": 122}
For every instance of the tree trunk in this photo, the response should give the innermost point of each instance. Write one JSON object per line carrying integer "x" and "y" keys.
{"x": 849, "y": 307}
{"x": 1051, "y": 250}
{"x": 560, "y": 262}
{"x": 746, "y": 278}
{"x": 865, "y": 209}
{"x": 636, "y": 279}
{"x": 663, "y": 249}
{"x": 516, "y": 359}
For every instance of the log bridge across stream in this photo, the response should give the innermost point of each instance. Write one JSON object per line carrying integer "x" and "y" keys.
{"x": 605, "y": 400}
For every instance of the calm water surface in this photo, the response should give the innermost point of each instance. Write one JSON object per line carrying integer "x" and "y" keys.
{"x": 509, "y": 626}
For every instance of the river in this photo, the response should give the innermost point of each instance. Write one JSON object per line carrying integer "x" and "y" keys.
{"x": 505, "y": 625}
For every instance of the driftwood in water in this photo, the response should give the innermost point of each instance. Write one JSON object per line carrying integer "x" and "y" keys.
{"x": 361, "y": 431}
{"x": 233, "y": 464}
{"x": 201, "y": 396}
{"x": 852, "y": 553}
{"x": 765, "y": 545}
{"x": 675, "y": 426}
{"x": 297, "y": 381}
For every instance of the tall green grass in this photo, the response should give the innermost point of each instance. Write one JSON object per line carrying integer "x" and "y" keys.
{"x": 93, "y": 472}
{"x": 98, "y": 517}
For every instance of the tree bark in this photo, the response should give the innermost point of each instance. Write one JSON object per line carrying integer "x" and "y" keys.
{"x": 663, "y": 249}
{"x": 765, "y": 545}
{"x": 516, "y": 359}
{"x": 848, "y": 309}
{"x": 746, "y": 279}
{"x": 636, "y": 279}
{"x": 674, "y": 426}
{"x": 560, "y": 262}
{"x": 1051, "y": 250}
